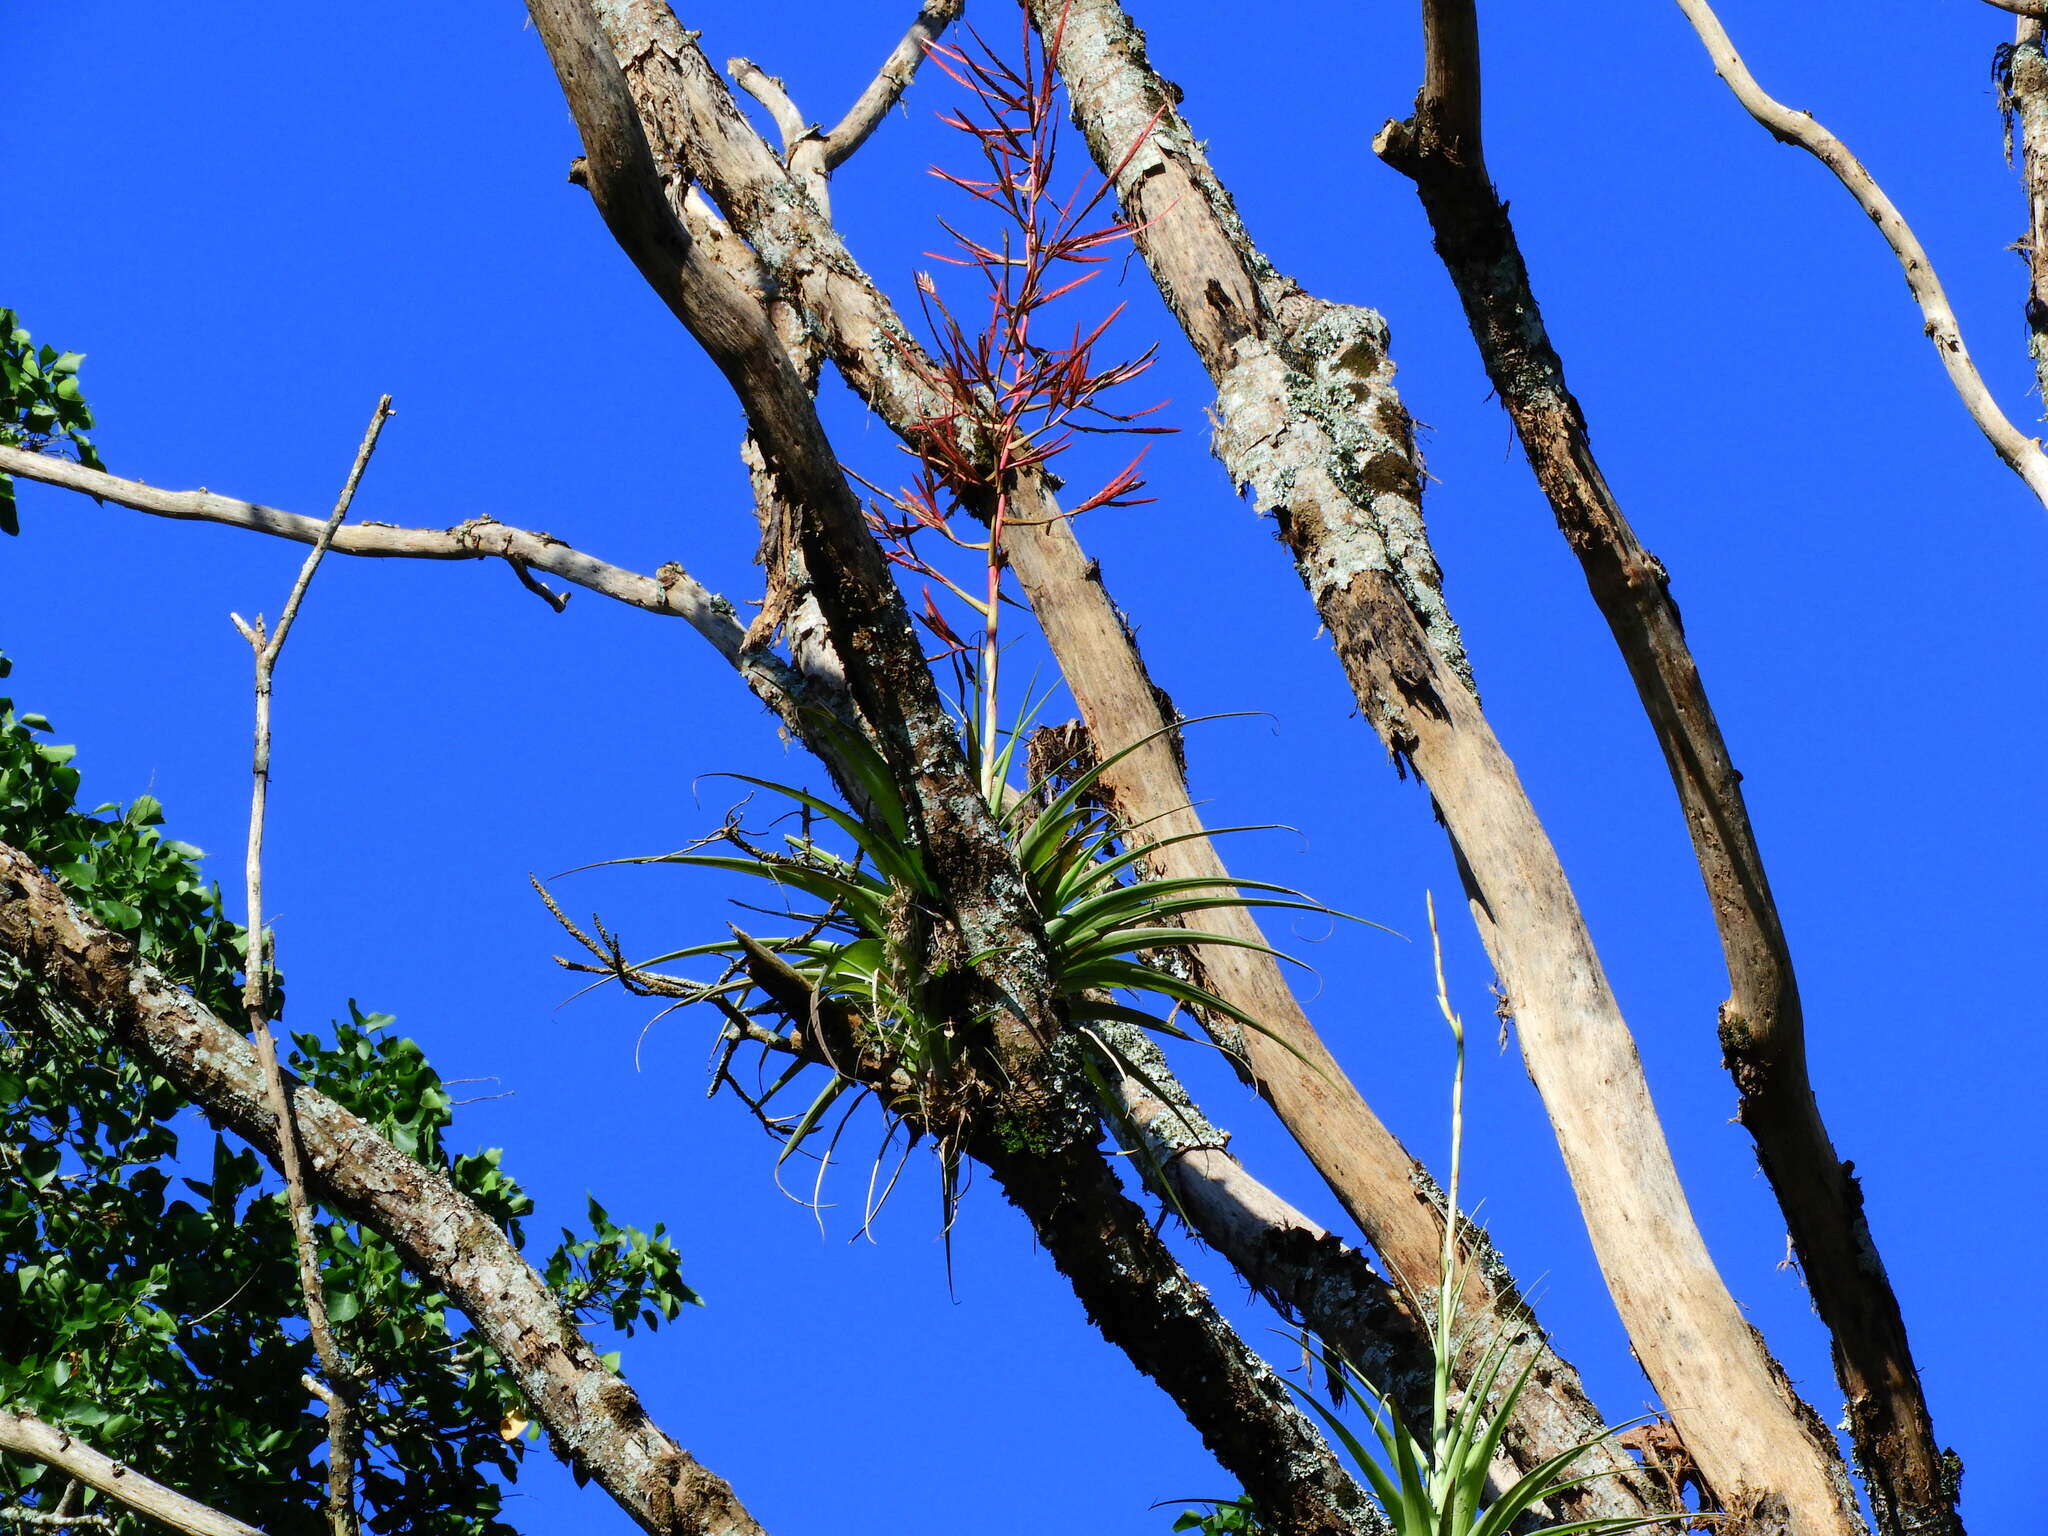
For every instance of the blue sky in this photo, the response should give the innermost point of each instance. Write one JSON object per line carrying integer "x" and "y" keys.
{"x": 256, "y": 218}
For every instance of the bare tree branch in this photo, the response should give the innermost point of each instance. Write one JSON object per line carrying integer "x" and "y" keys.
{"x": 811, "y": 154}
{"x": 768, "y": 90}
{"x": 671, "y": 592}
{"x": 1441, "y": 149}
{"x": 2023, "y": 93}
{"x": 1035, "y": 1130}
{"x": 339, "y": 1395}
{"x": 2034, "y": 8}
{"x": 27, "y": 1436}
{"x": 1309, "y": 422}
{"x": 2022, "y": 453}
{"x": 889, "y": 84}
{"x": 686, "y": 107}
{"x": 596, "y": 1419}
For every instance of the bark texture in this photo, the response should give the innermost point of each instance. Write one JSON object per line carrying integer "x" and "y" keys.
{"x": 24, "y": 1435}
{"x": 692, "y": 121}
{"x": 1762, "y": 1028}
{"x": 595, "y": 1418}
{"x": 1028, "y": 1118}
{"x": 2025, "y": 83}
{"x": 1137, "y": 1294}
{"x": 1308, "y": 422}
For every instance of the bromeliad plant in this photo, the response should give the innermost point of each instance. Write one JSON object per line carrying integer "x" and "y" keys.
{"x": 1009, "y": 395}
{"x": 855, "y": 977}
{"x": 1438, "y": 1487}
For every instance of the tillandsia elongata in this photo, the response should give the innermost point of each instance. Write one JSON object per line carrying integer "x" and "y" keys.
{"x": 1438, "y": 1486}
{"x": 853, "y": 981}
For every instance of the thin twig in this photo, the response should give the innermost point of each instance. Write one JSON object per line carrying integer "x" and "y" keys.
{"x": 670, "y": 591}
{"x": 811, "y": 154}
{"x": 890, "y": 82}
{"x": 2021, "y": 452}
{"x": 16, "y": 1514}
{"x": 339, "y": 1392}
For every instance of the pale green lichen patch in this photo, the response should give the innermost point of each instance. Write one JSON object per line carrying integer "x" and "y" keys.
{"x": 1342, "y": 379}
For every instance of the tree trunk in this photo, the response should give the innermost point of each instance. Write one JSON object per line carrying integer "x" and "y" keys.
{"x": 1308, "y": 420}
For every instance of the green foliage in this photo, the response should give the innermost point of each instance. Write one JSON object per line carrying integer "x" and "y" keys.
{"x": 39, "y": 404}
{"x": 1224, "y": 1517}
{"x": 866, "y": 951}
{"x": 1438, "y": 1487}
{"x": 148, "y": 1290}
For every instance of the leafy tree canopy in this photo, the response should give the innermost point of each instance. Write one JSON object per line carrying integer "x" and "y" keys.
{"x": 148, "y": 1294}
{"x": 40, "y": 404}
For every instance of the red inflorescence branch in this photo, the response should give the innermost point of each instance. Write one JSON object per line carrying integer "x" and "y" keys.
{"x": 1012, "y": 402}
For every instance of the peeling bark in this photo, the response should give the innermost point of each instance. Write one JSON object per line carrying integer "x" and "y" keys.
{"x": 1025, "y": 1114}
{"x": 2025, "y": 82}
{"x": 690, "y": 117}
{"x": 595, "y": 1418}
{"x": 1309, "y": 423}
{"x": 1762, "y": 1028}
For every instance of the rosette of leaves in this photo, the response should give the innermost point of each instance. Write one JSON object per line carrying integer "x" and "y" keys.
{"x": 40, "y": 404}
{"x": 1437, "y": 1486}
{"x": 858, "y": 963}
{"x": 148, "y": 1286}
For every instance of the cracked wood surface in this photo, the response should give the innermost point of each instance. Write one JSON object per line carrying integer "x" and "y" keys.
{"x": 1309, "y": 423}
{"x": 1762, "y": 1030}
{"x": 691, "y": 119}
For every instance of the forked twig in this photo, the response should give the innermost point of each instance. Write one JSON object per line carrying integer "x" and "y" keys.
{"x": 339, "y": 1391}
{"x": 2021, "y": 452}
{"x": 812, "y": 154}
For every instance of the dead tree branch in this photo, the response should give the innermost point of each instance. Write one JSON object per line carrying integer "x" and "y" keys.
{"x": 2022, "y": 453}
{"x": 340, "y": 1392}
{"x": 670, "y": 592}
{"x": 890, "y": 82}
{"x": 811, "y": 154}
{"x": 1762, "y": 1029}
{"x": 2023, "y": 89}
{"x": 27, "y": 1436}
{"x": 1308, "y": 421}
{"x": 596, "y": 1419}
{"x": 1033, "y": 1130}
{"x": 687, "y": 110}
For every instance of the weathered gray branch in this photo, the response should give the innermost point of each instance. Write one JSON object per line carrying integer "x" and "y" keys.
{"x": 2022, "y": 453}
{"x": 596, "y": 1419}
{"x": 810, "y": 153}
{"x": 25, "y": 1435}
{"x": 890, "y": 82}
{"x": 2024, "y": 89}
{"x": 1032, "y": 1130}
{"x": 1310, "y": 424}
{"x": 685, "y": 106}
{"x": 1441, "y": 149}
{"x": 670, "y": 592}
